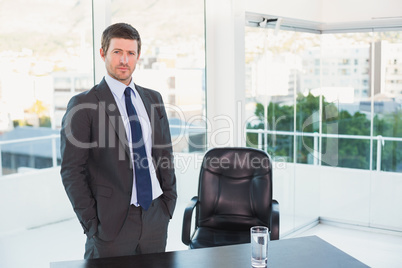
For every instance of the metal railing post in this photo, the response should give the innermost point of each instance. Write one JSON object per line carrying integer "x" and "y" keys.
{"x": 1, "y": 164}
{"x": 316, "y": 152}
{"x": 260, "y": 146}
{"x": 380, "y": 142}
{"x": 54, "y": 152}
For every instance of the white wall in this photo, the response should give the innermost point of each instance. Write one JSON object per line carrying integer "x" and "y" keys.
{"x": 359, "y": 10}
{"x": 352, "y": 196}
{"x": 304, "y": 10}
{"x": 386, "y": 200}
{"x": 32, "y": 199}
{"x": 345, "y": 195}
{"x": 327, "y": 11}
{"x": 296, "y": 188}
{"x": 225, "y": 72}
{"x": 361, "y": 197}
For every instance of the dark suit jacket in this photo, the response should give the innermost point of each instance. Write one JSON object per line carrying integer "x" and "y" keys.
{"x": 96, "y": 169}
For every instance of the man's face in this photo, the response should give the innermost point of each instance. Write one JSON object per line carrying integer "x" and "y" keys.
{"x": 121, "y": 58}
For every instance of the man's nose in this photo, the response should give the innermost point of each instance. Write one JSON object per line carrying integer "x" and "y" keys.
{"x": 124, "y": 58}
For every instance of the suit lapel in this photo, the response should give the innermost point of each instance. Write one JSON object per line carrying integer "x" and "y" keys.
{"x": 107, "y": 104}
{"x": 147, "y": 100}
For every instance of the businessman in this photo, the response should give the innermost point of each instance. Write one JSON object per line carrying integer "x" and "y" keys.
{"x": 117, "y": 161}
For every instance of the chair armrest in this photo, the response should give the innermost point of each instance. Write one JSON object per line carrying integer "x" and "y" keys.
{"x": 188, "y": 213}
{"x": 274, "y": 220}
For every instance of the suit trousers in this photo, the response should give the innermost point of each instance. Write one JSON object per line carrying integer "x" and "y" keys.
{"x": 144, "y": 231}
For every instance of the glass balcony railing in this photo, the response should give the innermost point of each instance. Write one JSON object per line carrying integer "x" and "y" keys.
{"x": 338, "y": 150}
{"x": 22, "y": 155}
{"x": 350, "y": 151}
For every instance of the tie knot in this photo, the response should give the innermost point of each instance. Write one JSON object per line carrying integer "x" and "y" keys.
{"x": 127, "y": 92}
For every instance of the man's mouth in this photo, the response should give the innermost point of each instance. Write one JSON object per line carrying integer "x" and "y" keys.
{"x": 122, "y": 67}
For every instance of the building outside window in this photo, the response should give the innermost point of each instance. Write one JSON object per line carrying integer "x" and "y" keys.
{"x": 45, "y": 58}
{"x": 172, "y": 62}
{"x": 335, "y": 116}
{"x": 42, "y": 65}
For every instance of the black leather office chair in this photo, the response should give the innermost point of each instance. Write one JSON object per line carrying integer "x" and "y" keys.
{"x": 234, "y": 194}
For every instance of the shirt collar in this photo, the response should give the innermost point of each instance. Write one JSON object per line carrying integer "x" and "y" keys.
{"x": 118, "y": 87}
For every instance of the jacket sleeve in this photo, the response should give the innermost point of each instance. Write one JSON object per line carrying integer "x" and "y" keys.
{"x": 165, "y": 158}
{"x": 76, "y": 144}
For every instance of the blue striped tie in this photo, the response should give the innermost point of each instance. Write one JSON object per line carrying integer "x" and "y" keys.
{"x": 141, "y": 166}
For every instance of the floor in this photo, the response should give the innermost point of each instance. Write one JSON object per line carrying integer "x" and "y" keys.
{"x": 65, "y": 241}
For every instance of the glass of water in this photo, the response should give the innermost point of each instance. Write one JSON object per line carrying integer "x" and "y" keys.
{"x": 259, "y": 246}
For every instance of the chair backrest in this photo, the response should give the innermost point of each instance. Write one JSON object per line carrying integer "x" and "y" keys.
{"x": 235, "y": 189}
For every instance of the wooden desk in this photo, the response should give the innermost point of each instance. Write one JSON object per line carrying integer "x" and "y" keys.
{"x": 308, "y": 251}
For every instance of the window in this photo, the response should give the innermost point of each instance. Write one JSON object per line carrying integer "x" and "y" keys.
{"x": 44, "y": 64}
{"x": 280, "y": 78}
{"x": 338, "y": 115}
{"x": 45, "y": 58}
{"x": 387, "y": 106}
{"x": 172, "y": 62}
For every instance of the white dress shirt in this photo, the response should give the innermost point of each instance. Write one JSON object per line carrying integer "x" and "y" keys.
{"x": 118, "y": 89}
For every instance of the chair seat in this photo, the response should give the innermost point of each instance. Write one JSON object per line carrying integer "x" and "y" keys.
{"x": 208, "y": 237}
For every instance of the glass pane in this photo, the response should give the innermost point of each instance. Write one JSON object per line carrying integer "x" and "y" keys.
{"x": 374, "y": 160}
{"x": 347, "y": 153}
{"x": 387, "y": 97}
{"x": 388, "y": 88}
{"x": 255, "y": 140}
{"x": 45, "y": 58}
{"x": 308, "y": 98}
{"x": 29, "y": 155}
{"x": 172, "y": 62}
{"x": 307, "y": 150}
{"x": 278, "y": 73}
{"x": 307, "y": 113}
{"x": 391, "y": 156}
{"x": 345, "y": 88}
{"x": 255, "y": 125}
{"x": 280, "y": 147}
{"x": 272, "y": 69}
{"x": 331, "y": 73}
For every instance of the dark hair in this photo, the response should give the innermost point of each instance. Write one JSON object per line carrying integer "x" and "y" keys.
{"x": 120, "y": 30}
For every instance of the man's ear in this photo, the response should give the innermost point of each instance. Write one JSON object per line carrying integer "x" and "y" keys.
{"x": 102, "y": 54}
